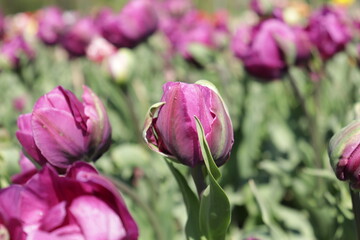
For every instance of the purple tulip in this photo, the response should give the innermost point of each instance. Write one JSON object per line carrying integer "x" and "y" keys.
{"x": 135, "y": 23}
{"x": 77, "y": 38}
{"x": 12, "y": 49}
{"x": 80, "y": 205}
{"x": 172, "y": 131}
{"x": 51, "y": 25}
{"x": 329, "y": 31}
{"x": 345, "y": 155}
{"x": 303, "y": 45}
{"x": 2, "y": 25}
{"x": 263, "y": 48}
{"x": 61, "y": 129}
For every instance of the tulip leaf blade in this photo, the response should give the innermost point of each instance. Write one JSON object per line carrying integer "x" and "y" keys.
{"x": 192, "y": 204}
{"x": 215, "y": 209}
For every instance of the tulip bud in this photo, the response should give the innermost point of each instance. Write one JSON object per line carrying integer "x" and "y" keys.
{"x": 62, "y": 129}
{"x": 345, "y": 155}
{"x": 170, "y": 127}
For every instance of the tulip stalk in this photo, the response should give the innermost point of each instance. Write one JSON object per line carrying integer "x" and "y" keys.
{"x": 198, "y": 176}
{"x": 355, "y": 198}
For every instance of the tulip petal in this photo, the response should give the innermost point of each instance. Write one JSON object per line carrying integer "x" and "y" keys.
{"x": 57, "y": 136}
{"x": 96, "y": 219}
{"x": 26, "y": 139}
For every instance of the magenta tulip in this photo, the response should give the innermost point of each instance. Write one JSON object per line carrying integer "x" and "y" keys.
{"x": 135, "y": 23}
{"x": 77, "y": 38}
{"x": 264, "y": 48}
{"x": 172, "y": 130}
{"x": 61, "y": 129}
{"x": 329, "y": 31}
{"x": 81, "y": 205}
{"x": 51, "y": 25}
{"x": 11, "y": 51}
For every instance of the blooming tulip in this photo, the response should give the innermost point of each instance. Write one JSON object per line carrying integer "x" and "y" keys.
{"x": 77, "y": 38}
{"x": 51, "y": 25}
{"x": 329, "y": 31}
{"x": 135, "y": 23}
{"x": 269, "y": 62}
{"x": 80, "y": 205}
{"x": 171, "y": 129}
{"x": 61, "y": 129}
{"x": 99, "y": 49}
{"x": 121, "y": 65}
{"x": 345, "y": 155}
{"x": 11, "y": 51}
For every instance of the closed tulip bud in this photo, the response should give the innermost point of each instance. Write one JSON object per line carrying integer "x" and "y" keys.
{"x": 170, "y": 128}
{"x": 61, "y": 129}
{"x": 344, "y": 153}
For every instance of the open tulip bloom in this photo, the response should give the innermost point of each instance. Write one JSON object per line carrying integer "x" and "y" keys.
{"x": 61, "y": 129}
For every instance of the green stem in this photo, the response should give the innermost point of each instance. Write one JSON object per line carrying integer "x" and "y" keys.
{"x": 355, "y": 197}
{"x": 298, "y": 94}
{"x": 199, "y": 179}
{"x": 150, "y": 214}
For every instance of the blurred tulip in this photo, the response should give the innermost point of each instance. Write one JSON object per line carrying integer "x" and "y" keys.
{"x": 121, "y": 65}
{"x": 12, "y": 50}
{"x": 61, "y": 129}
{"x": 329, "y": 31}
{"x": 19, "y": 103}
{"x": 51, "y": 25}
{"x": 80, "y": 205}
{"x": 345, "y": 155}
{"x": 265, "y": 49}
{"x": 170, "y": 128}
{"x": 2, "y": 25}
{"x": 135, "y": 23}
{"x": 77, "y": 38}
{"x": 99, "y": 49}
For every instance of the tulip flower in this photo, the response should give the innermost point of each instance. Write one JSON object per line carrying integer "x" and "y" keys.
{"x": 135, "y": 23}
{"x": 2, "y": 25}
{"x": 345, "y": 155}
{"x": 170, "y": 128}
{"x": 51, "y": 25}
{"x": 77, "y": 38}
{"x": 61, "y": 129}
{"x": 329, "y": 31}
{"x": 80, "y": 205}
{"x": 12, "y": 50}
{"x": 269, "y": 62}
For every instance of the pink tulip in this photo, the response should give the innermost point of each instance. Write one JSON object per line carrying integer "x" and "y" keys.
{"x": 172, "y": 131}
{"x": 82, "y": 205}
{"x": 61, "y": 129}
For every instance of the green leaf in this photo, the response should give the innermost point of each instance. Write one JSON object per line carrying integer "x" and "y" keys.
{"x": 214, "y": 204}
{"x": 192, "y": 204}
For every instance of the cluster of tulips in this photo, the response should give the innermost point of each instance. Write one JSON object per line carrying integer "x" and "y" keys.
{"x": 60, "y": 194}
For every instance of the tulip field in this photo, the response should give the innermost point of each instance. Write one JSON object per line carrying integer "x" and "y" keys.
{"x": 171, "y": 120}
